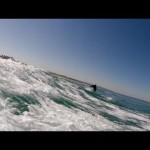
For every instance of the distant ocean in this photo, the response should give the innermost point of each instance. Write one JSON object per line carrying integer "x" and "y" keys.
{"x": 33, "y": 99}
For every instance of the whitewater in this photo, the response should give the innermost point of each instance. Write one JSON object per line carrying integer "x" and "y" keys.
{"x": 33, "y": 99}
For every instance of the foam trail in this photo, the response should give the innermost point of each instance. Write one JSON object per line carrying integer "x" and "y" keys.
{"x": 31, "y": 99}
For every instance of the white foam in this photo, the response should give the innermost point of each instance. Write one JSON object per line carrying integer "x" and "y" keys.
{"x": 109, "y": 98}
{"x": 17, "y": 78}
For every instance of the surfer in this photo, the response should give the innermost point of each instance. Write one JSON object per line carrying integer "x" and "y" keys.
{"x": 94, "y": 87}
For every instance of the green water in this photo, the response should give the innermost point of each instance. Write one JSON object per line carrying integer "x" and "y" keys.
{"x": 95, "y": 95}
{"x": 69, "y": 103}
{"x": 119, "y": 120}
{"x": 21, "y": 102}
{"x": 65, "y": 102}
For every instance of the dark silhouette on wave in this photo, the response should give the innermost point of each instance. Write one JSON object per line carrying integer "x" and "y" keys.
{"x": 94, "y": 87}
{"x": 7, "y": 57}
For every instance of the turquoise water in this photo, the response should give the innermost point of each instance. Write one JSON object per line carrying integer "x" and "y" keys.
{"x": 34, "y": 99}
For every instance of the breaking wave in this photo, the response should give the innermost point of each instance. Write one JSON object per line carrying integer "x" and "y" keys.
{"x": 32, "y": 99}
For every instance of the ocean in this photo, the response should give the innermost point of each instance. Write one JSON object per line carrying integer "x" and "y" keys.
{"x": 33, "y": 99}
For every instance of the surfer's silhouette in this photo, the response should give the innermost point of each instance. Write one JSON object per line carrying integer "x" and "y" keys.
{"x": 94, "y": 87}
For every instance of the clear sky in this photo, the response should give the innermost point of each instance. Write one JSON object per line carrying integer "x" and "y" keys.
{"x": 113, "y": 53}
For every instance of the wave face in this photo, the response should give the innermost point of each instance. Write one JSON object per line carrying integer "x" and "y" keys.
{"x": 32, "y": 99}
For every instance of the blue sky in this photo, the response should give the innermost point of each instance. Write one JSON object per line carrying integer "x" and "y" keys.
{"x": 113, "y": 53}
